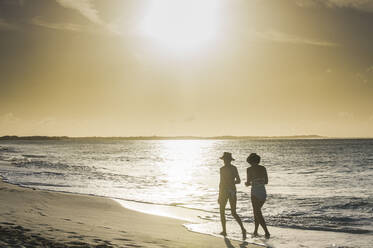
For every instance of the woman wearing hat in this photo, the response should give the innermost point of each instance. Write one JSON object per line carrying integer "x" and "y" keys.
{"x": 257, "y": 177}
{"x": 229, "y": 177}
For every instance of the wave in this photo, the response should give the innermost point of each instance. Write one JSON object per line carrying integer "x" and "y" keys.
{"x": 361, "y": 205}
{"x": 328, "y": 229}
{"x": 48, "y": 173}
{"x": 8, "y": 149}
{"x": 44, "y": 184}
{"x": 325, "y": 222}
{"x": 33, "y": 156}
{"x": 318, "y": 204}
{"x": 50, "y": 165}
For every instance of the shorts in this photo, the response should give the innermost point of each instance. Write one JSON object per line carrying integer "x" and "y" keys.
{"x": 224, "y": 196}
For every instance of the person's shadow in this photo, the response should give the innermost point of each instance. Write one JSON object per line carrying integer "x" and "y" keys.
{"x": 229, "y": 244}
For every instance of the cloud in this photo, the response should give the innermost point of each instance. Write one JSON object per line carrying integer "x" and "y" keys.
{"x": 85, "y": 7}
{"x": 88, "y": 10}
{"x": 289, "y": 38}
{"x": 59, "y": 26}
{"x": 6, "y": 26}
{"x": 363, "y": 5}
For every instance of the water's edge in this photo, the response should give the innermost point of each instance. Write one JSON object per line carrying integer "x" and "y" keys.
{"x": 190, "y": 216}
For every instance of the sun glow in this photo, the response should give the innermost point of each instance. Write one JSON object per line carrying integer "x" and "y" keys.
{"x": 181, "y": 24}
{"x": 182, "y": 165}
{"x": 181, "y": 158}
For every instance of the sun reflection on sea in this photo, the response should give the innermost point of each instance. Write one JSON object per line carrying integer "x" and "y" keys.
{"x": 182, "y": 165}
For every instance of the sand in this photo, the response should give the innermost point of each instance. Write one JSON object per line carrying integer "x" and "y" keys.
{"x": 38, "y": 218}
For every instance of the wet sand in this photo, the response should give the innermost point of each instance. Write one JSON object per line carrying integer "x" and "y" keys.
{"x": 38, "y": 218}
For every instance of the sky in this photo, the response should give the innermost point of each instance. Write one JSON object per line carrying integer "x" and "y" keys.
{"x": 186, "y": 67}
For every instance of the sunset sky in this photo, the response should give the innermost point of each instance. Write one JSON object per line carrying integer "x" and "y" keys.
{"x": 186, "y": 67}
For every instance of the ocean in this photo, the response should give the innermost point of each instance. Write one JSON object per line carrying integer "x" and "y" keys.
{"x": 319, "y": 192}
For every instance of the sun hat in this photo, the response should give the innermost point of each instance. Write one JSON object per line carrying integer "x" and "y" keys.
{"x": 227, "y": 155}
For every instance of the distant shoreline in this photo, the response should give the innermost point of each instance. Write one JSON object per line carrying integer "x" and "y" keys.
{"x": 227, "y": 137}
{"x": 14, "y": 137}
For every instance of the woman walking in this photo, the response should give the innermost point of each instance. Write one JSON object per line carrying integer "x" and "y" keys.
{"x": 257, "y": 177}
{"x": 229, "y": 177}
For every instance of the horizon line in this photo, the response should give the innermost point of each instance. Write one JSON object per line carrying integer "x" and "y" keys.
{"x": 177, "y": 137}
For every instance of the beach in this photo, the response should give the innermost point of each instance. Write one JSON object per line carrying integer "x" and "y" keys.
{"x": 38, "y": 218}
{"x": 118, "y": 193}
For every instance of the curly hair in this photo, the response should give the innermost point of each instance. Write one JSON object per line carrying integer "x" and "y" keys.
{"x": 253, "y": 157}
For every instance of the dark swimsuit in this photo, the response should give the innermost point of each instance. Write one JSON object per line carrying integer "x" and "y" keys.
{"x": 258, "y": 189}
{"x": 257, "y": 176}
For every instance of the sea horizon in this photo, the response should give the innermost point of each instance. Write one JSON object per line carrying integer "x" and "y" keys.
{"x": 176, "y": 137}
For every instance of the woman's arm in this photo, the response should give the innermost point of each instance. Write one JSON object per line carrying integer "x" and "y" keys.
{"x": 238, "y": 179}
{"x": 265, "y": 176}
{"x": 248, "y": 179}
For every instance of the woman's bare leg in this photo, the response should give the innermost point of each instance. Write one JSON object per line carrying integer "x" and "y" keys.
{"x": 233, "y": 203}
{"x": 223, "y": 203}
{"x": 257, "y": 205}
{"x": 256, "y": 221}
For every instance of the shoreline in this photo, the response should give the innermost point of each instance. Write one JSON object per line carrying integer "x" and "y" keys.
{"x": 33, "y": 217}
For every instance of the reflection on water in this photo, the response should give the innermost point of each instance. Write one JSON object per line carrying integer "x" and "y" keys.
{"x": 181, "y": 163}
{"x": 185, "y": 168}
